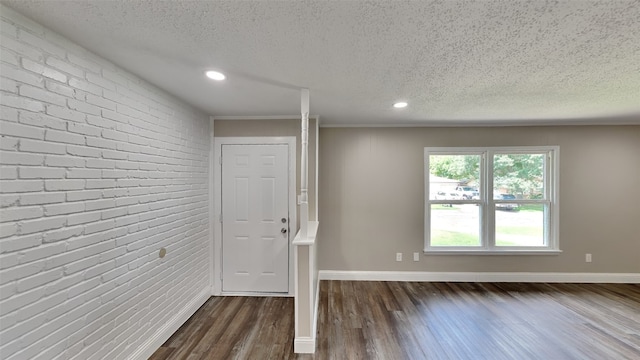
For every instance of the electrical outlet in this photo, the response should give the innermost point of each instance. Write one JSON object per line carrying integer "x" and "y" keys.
{"x": 587, "y": 258}
{"x": 416, "y": 256}
{"x": 398, "y": 256}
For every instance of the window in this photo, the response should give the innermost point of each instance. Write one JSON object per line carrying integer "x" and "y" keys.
{"x": 491, "y": 200}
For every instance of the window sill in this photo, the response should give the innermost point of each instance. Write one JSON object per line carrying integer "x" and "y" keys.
{"x": 492, "y": 252}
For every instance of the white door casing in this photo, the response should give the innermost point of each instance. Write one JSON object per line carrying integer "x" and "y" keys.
{"x": 256, "y": 184}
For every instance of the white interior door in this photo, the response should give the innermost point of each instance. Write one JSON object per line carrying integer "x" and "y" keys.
{"x": 255, "y": 218}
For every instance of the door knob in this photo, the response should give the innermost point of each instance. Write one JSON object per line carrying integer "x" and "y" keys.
{"x": 283, "y": 230}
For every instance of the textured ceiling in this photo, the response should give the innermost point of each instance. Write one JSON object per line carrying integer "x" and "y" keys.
{"x": 455, "y": 62}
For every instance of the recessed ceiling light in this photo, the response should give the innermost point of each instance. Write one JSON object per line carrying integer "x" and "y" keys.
{"x": 400, "y": 105}
{"x": 215, "y": 75}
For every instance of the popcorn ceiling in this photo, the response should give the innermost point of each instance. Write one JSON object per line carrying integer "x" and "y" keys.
{"x": 455, "y": 62}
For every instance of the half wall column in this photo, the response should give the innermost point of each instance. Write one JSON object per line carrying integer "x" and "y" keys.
{"x": 305, "y": 253}
{"x": 304, "y": 167}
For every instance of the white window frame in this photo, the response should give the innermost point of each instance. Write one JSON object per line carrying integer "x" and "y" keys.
{"x": 486, "y": 202}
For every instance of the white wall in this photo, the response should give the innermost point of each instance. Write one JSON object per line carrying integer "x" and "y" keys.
{"x": 99, "y": 171}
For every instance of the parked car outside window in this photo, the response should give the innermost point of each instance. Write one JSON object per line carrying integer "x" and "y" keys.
{"x": 448, "y": 195}
{"x": 468, "y": 192}
{"x": 505, "y": 206}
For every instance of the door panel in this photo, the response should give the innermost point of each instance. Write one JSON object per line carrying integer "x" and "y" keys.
{"x": 255, "y": 250}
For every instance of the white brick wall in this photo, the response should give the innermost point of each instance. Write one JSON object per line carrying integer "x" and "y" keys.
{"x": 99, "y": 171}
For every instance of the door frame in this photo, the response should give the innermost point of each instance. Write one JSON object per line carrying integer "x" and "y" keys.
{"x": 217, "y": 208}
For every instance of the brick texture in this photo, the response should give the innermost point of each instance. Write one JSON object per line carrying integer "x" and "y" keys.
{"x": 99, "y": 171}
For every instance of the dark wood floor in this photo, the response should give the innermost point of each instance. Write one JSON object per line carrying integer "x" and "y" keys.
{"x": 397, "y": 320}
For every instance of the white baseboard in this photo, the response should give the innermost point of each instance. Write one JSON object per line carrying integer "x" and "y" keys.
{"x": 531, "y": 277}
{"x": 304, "y": 345}
{"x": 165, "y": 331}
{"x": 254, "y": 294}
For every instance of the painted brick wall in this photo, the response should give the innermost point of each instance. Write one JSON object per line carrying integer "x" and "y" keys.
{"x": 99, "y": 171}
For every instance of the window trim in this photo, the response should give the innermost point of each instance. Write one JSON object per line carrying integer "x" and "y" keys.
{"x": 486, "y": 203}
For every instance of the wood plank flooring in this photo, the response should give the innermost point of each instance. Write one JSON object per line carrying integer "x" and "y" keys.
{"x": 413, "y": 320}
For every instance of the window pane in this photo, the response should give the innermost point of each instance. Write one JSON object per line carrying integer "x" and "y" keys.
{"x": 522, "y": 225}
{"x": 520, "y": 175}
{"x": 454, "y": 177}
{"x": 455, "y": 225}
